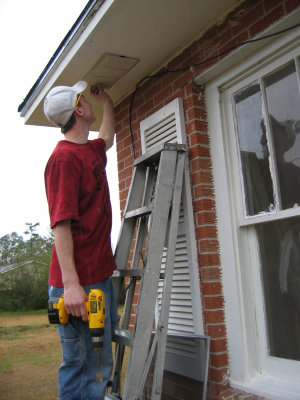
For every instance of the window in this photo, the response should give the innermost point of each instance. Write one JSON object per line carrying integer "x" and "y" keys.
{"x": 254, "y": 124}
{"x": 268, "y": 125}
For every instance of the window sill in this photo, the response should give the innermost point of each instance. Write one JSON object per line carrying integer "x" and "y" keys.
{"x": 270, "y": 387}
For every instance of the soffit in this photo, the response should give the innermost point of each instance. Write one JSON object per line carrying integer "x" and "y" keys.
{"x": 152, "y": 32}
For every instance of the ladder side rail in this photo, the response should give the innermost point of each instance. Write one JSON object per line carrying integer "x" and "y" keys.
{"x": 134, "y": 200}
{"x": 120, "y": 349}
{"x": 143, "y": 221}
{"x": 162, "y": 329}
{"x": 139, "y": 244}
{"x": 151, "y": 355}
{"x": 149, "y": 284}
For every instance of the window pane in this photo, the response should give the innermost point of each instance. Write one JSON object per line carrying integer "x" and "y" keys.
{"x": 253, "y": 151}
{"x": 280, "y": 263}
{"x": 282, "y": 91}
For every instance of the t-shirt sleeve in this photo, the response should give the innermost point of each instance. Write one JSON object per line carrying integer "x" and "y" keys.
{"x": 100, "y": 146}
{"x": 62, "y": 188}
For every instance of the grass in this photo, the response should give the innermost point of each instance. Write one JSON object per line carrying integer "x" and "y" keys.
{"x": 30, "y": 355}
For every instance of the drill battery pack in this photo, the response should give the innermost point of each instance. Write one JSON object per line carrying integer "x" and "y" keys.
{"x": 56, "y": 311}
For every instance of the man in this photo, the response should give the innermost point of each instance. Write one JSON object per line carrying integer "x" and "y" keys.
{"x": 80, "y": 216}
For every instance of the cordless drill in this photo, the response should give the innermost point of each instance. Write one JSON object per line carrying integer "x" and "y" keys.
{"x": 95, "y": 308}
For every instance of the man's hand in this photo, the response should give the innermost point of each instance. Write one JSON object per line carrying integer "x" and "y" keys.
{"x": 107, "y": 128}
{"x": 99, "y": 94}
{"x": 75, "y": 298}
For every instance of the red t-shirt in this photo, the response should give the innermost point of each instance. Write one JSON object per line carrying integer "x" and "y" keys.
{"x": 77, "y": 189}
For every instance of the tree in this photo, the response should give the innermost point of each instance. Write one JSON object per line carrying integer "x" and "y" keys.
{"x": 25, "y": 285}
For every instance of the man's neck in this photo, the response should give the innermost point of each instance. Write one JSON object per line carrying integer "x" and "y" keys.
{"x": 75, "y": 135}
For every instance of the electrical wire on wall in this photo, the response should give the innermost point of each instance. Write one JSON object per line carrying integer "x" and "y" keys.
{"x": 167, "y": 71}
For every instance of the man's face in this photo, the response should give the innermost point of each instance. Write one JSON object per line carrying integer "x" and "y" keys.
{"x": 87, "y": 110}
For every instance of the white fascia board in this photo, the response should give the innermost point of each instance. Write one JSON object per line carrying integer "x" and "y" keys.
{"x": 65, "y": 57}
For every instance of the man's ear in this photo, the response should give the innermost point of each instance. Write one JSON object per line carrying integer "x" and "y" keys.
{"x": 78, "y": 111}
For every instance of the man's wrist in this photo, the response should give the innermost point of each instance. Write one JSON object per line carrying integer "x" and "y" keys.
{"x": 71, "y": 281}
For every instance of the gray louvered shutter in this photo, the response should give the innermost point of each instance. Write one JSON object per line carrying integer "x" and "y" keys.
{"x": 167, "y": 125}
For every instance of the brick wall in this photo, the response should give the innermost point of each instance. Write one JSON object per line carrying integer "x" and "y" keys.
{"x": 249, "y": 19}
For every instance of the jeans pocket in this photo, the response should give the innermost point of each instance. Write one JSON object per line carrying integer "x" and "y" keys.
{"x": 72, "y": 351}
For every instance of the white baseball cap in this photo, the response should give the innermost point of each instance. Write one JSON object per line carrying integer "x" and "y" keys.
{"x": 60, "y": 102}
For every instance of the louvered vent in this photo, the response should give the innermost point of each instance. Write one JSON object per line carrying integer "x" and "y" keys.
{"x": 164, "y": 131}
{"x": 167, "y": 125}
{"x": 181, "y": 309}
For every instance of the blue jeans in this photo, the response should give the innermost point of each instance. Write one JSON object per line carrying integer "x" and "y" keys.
{"x": 77, "y": 373}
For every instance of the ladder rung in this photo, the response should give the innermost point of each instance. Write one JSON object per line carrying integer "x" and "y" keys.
{"x": 122, "y": 336}
{"x": 134, "y": 272}
{"x": 138, "y": 212}
{"x": 154, "y": 154}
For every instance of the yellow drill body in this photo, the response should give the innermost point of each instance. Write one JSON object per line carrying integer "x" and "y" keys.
{"x": 95, "y": 308}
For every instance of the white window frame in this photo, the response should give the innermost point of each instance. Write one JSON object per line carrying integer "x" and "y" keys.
{"x": 250, "y": 369}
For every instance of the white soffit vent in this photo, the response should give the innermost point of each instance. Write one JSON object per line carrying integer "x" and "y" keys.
{"x": 110, "y": 69}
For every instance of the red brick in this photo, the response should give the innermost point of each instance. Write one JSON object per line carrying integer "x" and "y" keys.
{"x": 205, "y": 232}
{"x": 199, "y": 129}
{"x": 207, "y": 260}
{"x": 218, "y": 374}
{"x": 122, "y": 114}
{"x": 210, "y": 273}
{"x": 211, "y": 288}
{"x": 122, "y": 205}
{"x": 218, "y": 345}
{"x": 125, "y": 173}
{"x": 162, "y": 95}
{"x": 205, "y": 177}
{"x": 125, "y": 153}
{"x": 198, "y": 113}
{"x": 216, "y": 331}
{"x": 145, "y": 108}
{"x": 204, "y": 205}
{"x": 247, "y": 18}
{"x": 237, "y": 41}
{"x": 123, "y": 195}
{"x": 202, "y": 190}
{"x": 209, "y": 245}
{"x": 153, "y": 90}
{"x": 268, "y": 20}
{"x": 291, "y": 5}
{"x": 213, "y": 302}
{"x": 219, "y": 360}
{"x": 206, "y": 218}
{"x": 214, "y": 316}
{"x": 204, "y": 163}
{"x": 121, "y": 186}
{"x": 270, "y": 5}
{"x": 190, "y": 102}
{"x": 205, "y": 173}
{"x": 184, "y": 79}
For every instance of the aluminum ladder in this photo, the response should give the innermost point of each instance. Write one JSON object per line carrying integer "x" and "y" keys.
{"x": 149, "y": 225}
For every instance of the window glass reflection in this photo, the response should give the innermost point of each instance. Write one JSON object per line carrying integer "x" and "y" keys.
{"x": 283, "y": 100}
{"x": 280, "y": 257}
{"x": 254, "y": 151}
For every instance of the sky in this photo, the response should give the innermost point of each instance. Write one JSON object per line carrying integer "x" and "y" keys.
{"x": 31, "y": 31}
